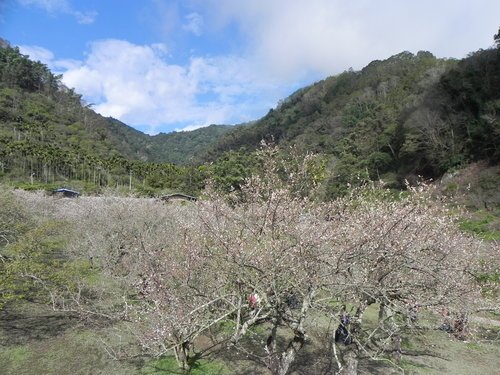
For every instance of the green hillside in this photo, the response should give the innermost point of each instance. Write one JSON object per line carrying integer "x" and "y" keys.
{"x": 35, "y": 107}
{"x": 396, "y": 119}
{"x": 185, "y": 147}
{"x": 48, "y": 135}
{"x": 405, "y": 116}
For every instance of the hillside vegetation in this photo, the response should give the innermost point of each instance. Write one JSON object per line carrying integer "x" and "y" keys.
{"x": 50, "y": 137}
{"x": 405, "y": 116}
{"x": 185, "y": 147}
{"x": 395, "y": 120}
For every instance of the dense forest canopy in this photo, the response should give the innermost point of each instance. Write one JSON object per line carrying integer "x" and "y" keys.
{"x": 405, "y": 116}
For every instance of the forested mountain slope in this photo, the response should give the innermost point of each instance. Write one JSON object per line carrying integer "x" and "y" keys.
{"x": 185, "y": 147}
{"x": 407, "y": 115}
{"x": 36, "y": 108}
{"x": 48, "y": 135}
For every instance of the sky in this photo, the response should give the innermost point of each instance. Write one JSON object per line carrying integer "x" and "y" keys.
{"x": 173, "y": 65}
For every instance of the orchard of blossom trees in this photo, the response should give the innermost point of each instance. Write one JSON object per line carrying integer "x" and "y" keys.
{"x": 269, "y": 258}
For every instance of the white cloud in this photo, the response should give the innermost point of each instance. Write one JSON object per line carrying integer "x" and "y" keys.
{"x": 135, "y": 84}
{"x": 84, "y": 18}
{"x": 62, "y": 6}
{"x": 193, "y": 24}
{"x": 292, "y": 38}
{"x": 45, "y": 56}
{"x": 37, "y": 53}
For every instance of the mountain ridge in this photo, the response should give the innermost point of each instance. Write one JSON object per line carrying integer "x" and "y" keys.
{"x": 403, "y": 116}
{"x": 408, "y": 115}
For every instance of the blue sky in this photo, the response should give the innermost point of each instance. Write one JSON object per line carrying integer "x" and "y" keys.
{"x": 164, "y": 65}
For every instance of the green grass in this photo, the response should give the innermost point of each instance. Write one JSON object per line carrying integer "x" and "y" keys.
{"x": 13, "y": 359}
{"x": 483, "y": 225}
{"x": 168, "y": 365}
{"x": 414, "y": 368}
{"x": 78, "y": 352}
{"x": 35, "y": 340}
{"x": 67, "y": 354}
{"x": 437, "y": 352}
{"x": 474, "y": 346}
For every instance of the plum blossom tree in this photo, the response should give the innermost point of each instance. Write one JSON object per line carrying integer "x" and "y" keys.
{"x": 268, "y": 247}
{"x": 270, "y": 255}
{"x": 169, "y": 291}
{"x": 405, "y": 255}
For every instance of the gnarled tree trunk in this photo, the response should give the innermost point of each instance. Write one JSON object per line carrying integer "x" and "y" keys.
{"x": 386, "y": 317}
{"x": 288, "y": 356}
{"x": 283, "y": 363}
{"x": 182, "y": 355}
{"x": 350, "y": 359}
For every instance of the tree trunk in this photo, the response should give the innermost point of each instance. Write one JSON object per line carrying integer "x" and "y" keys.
{"x": 396, "y": 348}
{"x": 386, "y": 317}
{"x": 351, "y": 354}
{"x": 182, "y": 356}
{"x": 290, "y": 353}
{"x": 271, "y": 341}
{"x": 299, "y": 339}
{"x": 350, "y": 359}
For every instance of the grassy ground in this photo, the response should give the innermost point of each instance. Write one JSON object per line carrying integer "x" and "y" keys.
{"x": 451, "y": 356}
{"x": 35, "y": 340}
{"x": 426, "y": 350}
{"x": 39, "y": 341}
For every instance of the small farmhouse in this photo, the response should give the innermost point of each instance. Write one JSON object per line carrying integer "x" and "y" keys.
{"x": 178, "y": 197}
{"x": 66, "y": 193}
